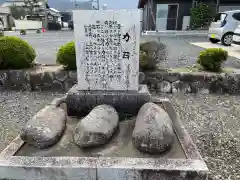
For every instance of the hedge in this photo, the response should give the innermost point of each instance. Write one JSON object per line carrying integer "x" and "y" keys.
{"x": 15, "y": 53}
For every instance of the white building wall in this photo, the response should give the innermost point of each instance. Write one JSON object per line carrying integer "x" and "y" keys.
{"x": 27, "y": 24}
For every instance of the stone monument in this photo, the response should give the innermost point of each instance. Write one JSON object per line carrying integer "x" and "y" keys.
{"x": 107, "y": 49}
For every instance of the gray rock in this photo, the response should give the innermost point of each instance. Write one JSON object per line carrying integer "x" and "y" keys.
{"x": 153, "y": 132}
{"x": 45, "y": 128}
{"x": 179, "y": 86}
{"x": 164, "y": 86}
{"x": 141, "y": 77}
{"x": 97, "y": 127}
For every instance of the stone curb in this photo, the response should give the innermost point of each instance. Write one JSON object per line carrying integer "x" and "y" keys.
{"x": 159, "y": 81}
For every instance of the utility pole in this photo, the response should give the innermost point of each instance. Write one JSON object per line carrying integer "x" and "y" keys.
{"x": 75, "y": 4}
{"x": 98, "y": 4}
{"x": 217, "y": 6}
{"x": 45, "y": 23}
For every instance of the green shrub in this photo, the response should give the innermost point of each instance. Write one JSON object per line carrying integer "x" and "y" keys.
{"x": 151, "y": 53}
{"x": 23, "y": 32}
{"x": 211, "y": 59}
{"x": 66, "y": 56}
{"x": 15, "y": 53}
{"x": 201, "y": 16}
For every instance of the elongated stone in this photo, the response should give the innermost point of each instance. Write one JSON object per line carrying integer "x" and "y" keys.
{"x": 97, "y": 127}
{"x": 45, "y": 128}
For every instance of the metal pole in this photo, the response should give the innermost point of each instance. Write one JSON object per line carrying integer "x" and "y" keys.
{"x": 45, "y": 23}
{"x": 217, "y": 6}
{"x": 98, "y": 4}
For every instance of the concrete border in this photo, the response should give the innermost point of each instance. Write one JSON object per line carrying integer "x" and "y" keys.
{"x": 203, "y": 33}
{"x": 107, "y": 168}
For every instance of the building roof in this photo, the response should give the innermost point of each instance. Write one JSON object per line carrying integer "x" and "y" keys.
{"x": 54, "y": 10}
{"x": 141, "y": 3}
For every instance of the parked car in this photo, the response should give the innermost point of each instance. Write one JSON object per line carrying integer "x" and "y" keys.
{"x": 236, "y": 36}
{"x": 223, "y": 26}
{"x": 1, "y": 27}
{"x": 70, "y": 25}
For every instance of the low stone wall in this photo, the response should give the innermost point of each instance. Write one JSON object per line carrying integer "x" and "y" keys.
{"x": 53, "y": 78}
{"x": 201, "y": 82}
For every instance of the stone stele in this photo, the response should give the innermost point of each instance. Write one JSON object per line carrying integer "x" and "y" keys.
{"x": 107, "y": 49}
{"x": 45, "y": 128}
{"x": 97, "y": 127}
{"x": 153, "y": 132}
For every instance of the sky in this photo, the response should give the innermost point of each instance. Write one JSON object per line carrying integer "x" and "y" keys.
{"x": 119, "y": 4}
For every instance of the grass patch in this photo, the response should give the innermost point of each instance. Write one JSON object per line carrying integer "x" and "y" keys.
{"x": 198, "y": 68}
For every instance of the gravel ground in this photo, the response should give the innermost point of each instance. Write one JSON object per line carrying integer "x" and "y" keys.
{"x": 213, "y": 122}
{"x": 181, "y": 53}
{"x": 16, "y": 108}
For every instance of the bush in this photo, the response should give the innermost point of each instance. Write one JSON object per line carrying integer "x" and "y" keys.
{"x": 201, "y": 16}
{"x": 66, "y": 56}
{"x": 23, "y": 32}
{"x": 151, "y": 53}
{"x": 211, "y": 59}
{"x": 15, "y": 53}
{"x": 55, "y": 26}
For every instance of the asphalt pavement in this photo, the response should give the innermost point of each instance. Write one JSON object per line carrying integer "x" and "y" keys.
{"x": 179, "y": 50}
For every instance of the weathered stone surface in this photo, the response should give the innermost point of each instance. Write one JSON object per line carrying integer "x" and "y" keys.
{"x": 152, "y": 52}
{"x": 123, "y": 101}
{"x": 18, "y": 79}
{"x": 120, "y": 74}
{"x": 153, "y": 132}
{"x": 141, "y": 78}
{"x": 45, "y": 128}
{"x": 3, "y": 78}
{"x": 164, "y": 86}
{"x": 179, "y": 86}
{"x": 171, "y": 76}
{"x": 97, "y": 127}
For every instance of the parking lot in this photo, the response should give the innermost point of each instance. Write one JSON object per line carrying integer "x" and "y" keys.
{"x": 181, "y": 50}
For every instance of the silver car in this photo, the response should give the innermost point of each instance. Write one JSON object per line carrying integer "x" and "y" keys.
{"x": 1, "y": 27}
{"x": 223, "y": 26}
{"x": 236, "y": 36}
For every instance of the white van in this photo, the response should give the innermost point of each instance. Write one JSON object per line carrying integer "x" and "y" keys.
{"x": 223, "y": 26}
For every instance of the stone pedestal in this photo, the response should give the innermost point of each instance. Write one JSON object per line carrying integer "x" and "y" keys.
{"x": 129, "y": 102}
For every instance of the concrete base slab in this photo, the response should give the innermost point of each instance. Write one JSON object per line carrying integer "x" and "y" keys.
{"x": 120, "y": 145}
{"x": 129, "y": 102}
{"x": 19, "y": 162}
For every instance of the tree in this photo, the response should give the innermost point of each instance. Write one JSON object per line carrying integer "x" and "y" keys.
{"x": 16, "y": 11}
{"x": 201, "y": 16}
{"x": 32, "y": 6}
